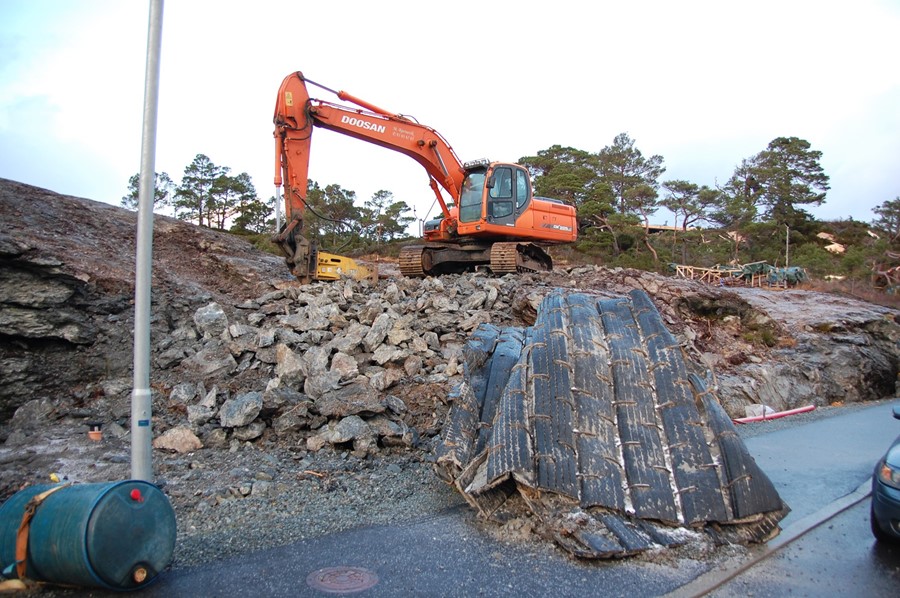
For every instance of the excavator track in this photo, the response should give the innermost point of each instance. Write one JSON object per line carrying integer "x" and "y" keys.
{"x": 504, "y": 258}
{"x": 419, "y": 261}
{"x": 508, "y": 258}
{"x": 411, "y": 258}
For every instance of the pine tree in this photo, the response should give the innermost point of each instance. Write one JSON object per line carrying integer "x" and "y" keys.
{"x": 785, "y": 177}
{"x": 194, "y": 197}
{"x": 889, "y": 219}
{"x": 163, "y": 187}
{"x": 625, "y": 169}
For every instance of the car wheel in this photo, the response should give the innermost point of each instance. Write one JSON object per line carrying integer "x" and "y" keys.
{"x": 880, "y": 534}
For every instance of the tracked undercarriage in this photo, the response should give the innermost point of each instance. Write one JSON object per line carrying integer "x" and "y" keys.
{"x": 417, "y": 261}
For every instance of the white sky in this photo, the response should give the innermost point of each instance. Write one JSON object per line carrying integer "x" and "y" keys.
{"x": 705, "y": 84}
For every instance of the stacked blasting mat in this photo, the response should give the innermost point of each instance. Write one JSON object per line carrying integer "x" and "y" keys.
{"x": 591, "y": 418}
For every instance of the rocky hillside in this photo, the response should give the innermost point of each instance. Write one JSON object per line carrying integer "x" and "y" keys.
{"x": 67, "y": 288}
{"x": 242, "y": 353}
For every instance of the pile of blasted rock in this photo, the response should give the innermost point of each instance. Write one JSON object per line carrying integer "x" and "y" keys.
{"x": 326, "y": 359}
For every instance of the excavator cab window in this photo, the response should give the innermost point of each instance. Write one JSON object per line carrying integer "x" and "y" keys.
{"x": 470, "y": 198}
{"x": 500, "y": 198}
{"x": 502, "y": 183}
{"x": 500, "y": 209}
{"x": 522, "y": 193}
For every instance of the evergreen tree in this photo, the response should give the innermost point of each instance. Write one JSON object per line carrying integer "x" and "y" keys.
{"x": 383, "y": 219}
{"x": 787, "y": 176}
{"x": 163, "y": 187}
{"x": 889, "y": 219}
{"x": 641, "y": 200}
{"x": 690, "y": 201}
{"x": 255, "y": 217}
{"x": 331, "y": 217}
{"x": 625, "y": 169}
{"x": 315, "y": 197}
{"x": 229, "y": 196}
{"x": 194, "y": 197}
{"x": 610, "y": 189}
{"x": 564, "y": 173}
{"x": 738, "y": 199}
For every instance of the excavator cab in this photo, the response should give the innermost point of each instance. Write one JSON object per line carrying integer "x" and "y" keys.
{"x": 497, "y": 193}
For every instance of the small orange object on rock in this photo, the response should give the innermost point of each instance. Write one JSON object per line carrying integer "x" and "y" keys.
{"x": 94, "y": 432}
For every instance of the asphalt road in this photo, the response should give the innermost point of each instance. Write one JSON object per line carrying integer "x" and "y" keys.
{"x": 821, "y": 469}
{"x": 443, "y": 556}
{"x": 815, "y": 466}
{"x": 816, "y": 463}
{"x": 839, "y": 558}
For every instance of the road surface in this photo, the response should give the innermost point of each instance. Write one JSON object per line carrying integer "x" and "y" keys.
{"x": 816, "y": 467}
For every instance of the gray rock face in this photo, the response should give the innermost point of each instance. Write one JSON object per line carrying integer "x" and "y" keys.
{"x": 354, "y": 399}
{"x": 62, "y": 324}
{"x": 211, "y": 320}
{"x": 845, "y": 352}
{"x": 32, "y": 413}
{"x": 378, "y": 332}
{"x": 814, "y": 373}
{"x": 32, "y": 290}
{"x": 240, "y": 411}
{"x": 214, "y": 360}
{"x": 37, "y": 301}
{"x": 66, "y": 290}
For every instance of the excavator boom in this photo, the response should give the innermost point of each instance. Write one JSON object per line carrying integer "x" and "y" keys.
{"x": 296, "y": 113}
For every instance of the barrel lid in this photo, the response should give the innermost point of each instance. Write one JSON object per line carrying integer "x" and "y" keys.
{"x": 130, "y": 534}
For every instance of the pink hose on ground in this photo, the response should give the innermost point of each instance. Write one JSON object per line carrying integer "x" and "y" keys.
{"x": 759, "y": 418}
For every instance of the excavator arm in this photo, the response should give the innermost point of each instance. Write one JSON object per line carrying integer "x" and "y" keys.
{"x": 297, "y": 114}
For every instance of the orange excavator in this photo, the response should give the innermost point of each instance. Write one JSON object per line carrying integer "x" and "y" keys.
{"x": 494, "y": 220}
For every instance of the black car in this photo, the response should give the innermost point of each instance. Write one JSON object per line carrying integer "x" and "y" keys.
{"x": 885, "y": 517}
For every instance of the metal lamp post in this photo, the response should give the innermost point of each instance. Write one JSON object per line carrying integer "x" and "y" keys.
{"x": 141, "y": 396}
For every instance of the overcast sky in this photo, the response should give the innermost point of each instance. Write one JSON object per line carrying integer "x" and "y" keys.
{"x": 703, "y": 84}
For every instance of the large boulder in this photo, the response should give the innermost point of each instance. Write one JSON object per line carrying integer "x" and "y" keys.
{"x": 241, "y": 410}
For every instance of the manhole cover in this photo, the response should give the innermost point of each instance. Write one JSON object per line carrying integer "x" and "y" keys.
{"x": 341, "y": 580}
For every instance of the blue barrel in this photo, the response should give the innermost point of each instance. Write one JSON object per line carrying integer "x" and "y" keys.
{"x": 115, "y": 535}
